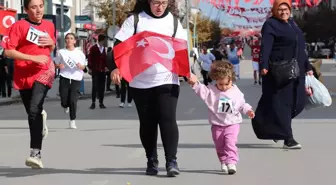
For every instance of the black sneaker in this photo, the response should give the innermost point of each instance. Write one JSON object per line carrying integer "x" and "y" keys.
{"x": 255, "y": 82}
{"x": 93, "y": 106}
{"x": 102, "y": 106}
{"x": 172, "y": 168}
{"x": 291, "y": 144}
{"x": 152, "y": 167}
{"x": 259, "y": 82}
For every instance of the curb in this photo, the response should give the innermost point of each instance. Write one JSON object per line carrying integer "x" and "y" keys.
{"x": 17, "y": 100}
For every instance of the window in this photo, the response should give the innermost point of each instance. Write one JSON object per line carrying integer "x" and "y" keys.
{"x": 2, "y": 2}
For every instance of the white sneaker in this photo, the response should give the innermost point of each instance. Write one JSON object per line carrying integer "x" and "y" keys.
{"x": 121, "y": 105}
{"x": 45, "y": 127}
{"x": 72, "y": 124}
{"x": 224, "y": 168}
{"x": 129, "y": 105}
{"x": 231, "y": 169}
{"x": 66, "y": 110}
{"x": 34, "y": 161}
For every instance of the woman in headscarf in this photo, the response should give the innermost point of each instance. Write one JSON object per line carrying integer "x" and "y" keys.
{"x": 282, "y": 40}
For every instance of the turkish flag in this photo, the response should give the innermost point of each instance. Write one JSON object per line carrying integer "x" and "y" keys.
{"x": 139, "y": 52}
{"x": 7, "y": 18}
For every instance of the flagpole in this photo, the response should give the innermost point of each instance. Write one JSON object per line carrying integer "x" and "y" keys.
{"x": 188, "y": 32}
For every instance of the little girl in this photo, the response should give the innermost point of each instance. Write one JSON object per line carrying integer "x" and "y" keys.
{"x": 225, "y": 102}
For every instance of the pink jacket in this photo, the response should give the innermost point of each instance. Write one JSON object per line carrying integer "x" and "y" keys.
{"x": 224, "y": 107}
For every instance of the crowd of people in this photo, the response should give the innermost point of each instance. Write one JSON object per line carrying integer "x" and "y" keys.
{"x": 155, "y": 91}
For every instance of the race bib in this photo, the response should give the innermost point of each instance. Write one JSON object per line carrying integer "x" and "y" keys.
{"x": 71, "y": 63}
{"x": 34, "y": 34}
{"x": 225, "y": 105}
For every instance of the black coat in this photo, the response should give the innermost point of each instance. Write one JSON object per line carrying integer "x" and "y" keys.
{"x": 279, "y": 105}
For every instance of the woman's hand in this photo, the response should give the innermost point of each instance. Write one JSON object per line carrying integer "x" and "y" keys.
{"x": 309, "y": 91}
{"x": 264, "y": 72}
{"x": 46, "y": 41}
{"x": 115, "y": 76}
{"x": 310, "y": 73}
{"x": 80, "y": 66}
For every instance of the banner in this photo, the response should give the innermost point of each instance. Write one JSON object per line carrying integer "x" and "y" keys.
{"x": 7, "y": 18}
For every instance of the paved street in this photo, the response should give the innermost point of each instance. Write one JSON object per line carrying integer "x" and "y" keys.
{"x": 106, "y": 150}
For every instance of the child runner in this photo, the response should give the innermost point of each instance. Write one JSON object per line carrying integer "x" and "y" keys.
{"x": 225, "y": 102}
{"x": 30, "y": 44}
{"x": 71, "y": 62}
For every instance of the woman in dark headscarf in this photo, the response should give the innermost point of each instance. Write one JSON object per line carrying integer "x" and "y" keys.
{"x": 282, "y": 40}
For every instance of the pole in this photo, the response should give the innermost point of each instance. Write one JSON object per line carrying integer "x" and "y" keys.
{"x": 114, "y": 19}
{"x": 62, "y": 25}
{"x": 188, "y": 31}
{"x": 22, "y": 6}
{"x": 195, "y": 24}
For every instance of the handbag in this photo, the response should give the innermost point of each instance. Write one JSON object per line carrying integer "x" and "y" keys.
{"x": 286, "y": 71}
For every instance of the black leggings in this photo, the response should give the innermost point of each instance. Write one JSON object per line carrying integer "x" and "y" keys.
{"x": 33, "y": 100}
{"x": 69, "y": 95}
{"x": 157, "y": 106}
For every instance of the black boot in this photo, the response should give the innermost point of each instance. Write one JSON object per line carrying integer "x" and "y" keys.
{"x": 152, "y": 167}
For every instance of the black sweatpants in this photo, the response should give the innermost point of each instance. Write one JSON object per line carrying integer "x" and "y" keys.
{"x": 69, "y": 95}
{"x": 157, "y": 106}
{"x": 33, "y": 100}
{"x": 98, "y": 85}
{"x": 123, "y": 90}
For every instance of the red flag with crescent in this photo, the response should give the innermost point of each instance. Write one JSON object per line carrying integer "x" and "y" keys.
{"x": 141, "y": 51}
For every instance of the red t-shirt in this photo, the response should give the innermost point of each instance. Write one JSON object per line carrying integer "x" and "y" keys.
{"x": 255, "y": 51}
{"x": 27, "y": 72}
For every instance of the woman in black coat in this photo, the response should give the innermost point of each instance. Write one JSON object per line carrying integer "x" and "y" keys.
{"x": 280, "y": 104}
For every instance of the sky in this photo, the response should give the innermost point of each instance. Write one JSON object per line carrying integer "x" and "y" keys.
{"x": 225, "y": 19}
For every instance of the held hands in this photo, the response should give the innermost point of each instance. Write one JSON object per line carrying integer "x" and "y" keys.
{"x": 115, "y": 76}
{"x": 309, "y": 90}
{"x": 251, "y": 114}
{"x": 193, "y": 79}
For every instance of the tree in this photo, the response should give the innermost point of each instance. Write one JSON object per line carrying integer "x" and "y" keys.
{"x": 207, "y": 29}
{"x": 104, "y": 10}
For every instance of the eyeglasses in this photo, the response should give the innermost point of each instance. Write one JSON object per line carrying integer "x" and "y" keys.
{"x": 158, "y": 3}
{"x": 283, "y": 10}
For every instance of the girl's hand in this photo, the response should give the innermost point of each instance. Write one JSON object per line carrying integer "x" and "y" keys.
{"x": 193, "y": 79}
{"x": 251, "y": 114}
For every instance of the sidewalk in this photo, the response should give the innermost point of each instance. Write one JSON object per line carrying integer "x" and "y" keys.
{"x": 53, "y": 93}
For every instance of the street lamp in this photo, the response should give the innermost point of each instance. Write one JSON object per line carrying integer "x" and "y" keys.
{"x": 195, "y": 24}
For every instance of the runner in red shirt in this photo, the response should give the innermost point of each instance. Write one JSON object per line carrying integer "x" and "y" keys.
{"x": 30, "y": 43}
{"x": 255, "y": 48}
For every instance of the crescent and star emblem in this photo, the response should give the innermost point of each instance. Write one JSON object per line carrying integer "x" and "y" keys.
{"x": 171, "y": 52}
